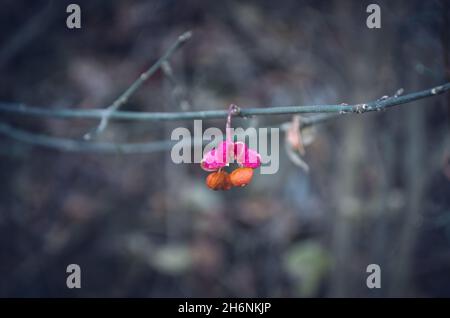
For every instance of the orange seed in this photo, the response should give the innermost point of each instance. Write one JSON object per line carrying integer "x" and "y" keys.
{"x": 219, "y": 180}
{"x": 241, "y": 177}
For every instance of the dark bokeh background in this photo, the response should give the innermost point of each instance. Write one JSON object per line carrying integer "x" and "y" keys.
{"x": 378, "y": 190}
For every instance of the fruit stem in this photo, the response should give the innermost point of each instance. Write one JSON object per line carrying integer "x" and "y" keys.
{"x": 232, "y": 110}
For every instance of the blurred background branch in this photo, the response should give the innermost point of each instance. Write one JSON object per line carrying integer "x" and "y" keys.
{"x": 123, "y": 98}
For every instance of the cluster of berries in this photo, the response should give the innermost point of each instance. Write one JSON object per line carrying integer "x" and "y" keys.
{"x": 226, "y": 153}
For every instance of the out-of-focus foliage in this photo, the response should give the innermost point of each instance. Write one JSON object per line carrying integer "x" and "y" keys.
{"x": 308, "y": 262}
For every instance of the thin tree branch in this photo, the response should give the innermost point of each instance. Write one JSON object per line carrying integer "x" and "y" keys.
{"x": 123, "y": 98}
{"x": 378, "y": 105}
{"x": 65, "y": 144}
{"x": 71, "y": 145}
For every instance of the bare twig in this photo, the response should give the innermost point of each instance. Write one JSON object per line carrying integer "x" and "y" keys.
{"x": 71, "y": 145}
{"x": 122, "y": 99}
{"x": 377, "y": 105}
{"x": 178, "y": 93}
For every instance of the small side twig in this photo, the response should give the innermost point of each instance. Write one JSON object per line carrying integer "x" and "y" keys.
{"x": 178, "y": 92}
{"x": 123, "y": 98}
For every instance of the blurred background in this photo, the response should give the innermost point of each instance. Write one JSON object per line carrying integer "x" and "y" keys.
{"x": 378, "y": 187}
